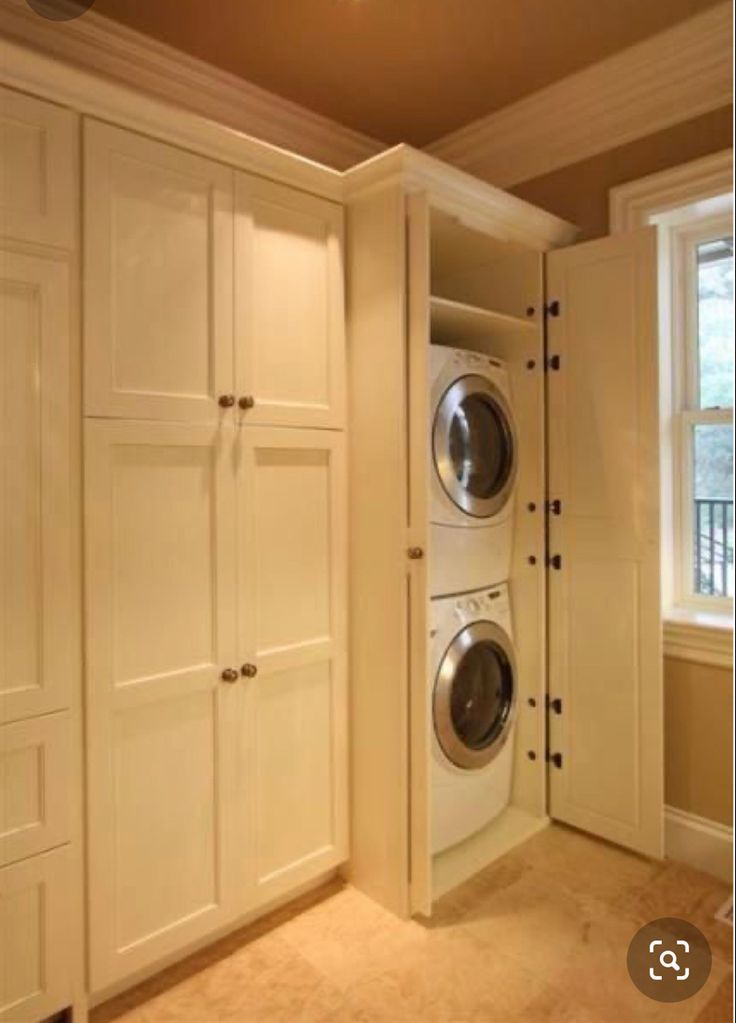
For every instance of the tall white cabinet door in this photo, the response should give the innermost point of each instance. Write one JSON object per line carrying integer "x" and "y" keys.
{"x": 290, "y": 315}
{"x": 291, "y": 530}
{"x": 38, "y": 597}
{"x": 162, "y": 723}
{"x": 38, "y": 168}
{"x": 158, "y": 278}
{"x": 605, "y": 654}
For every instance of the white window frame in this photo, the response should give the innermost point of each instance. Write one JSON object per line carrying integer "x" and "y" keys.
{"x": 691, "y": 632}
{"x": 684, "y": 239}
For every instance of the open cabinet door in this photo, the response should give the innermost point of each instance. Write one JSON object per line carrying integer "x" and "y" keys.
{"x": 418, "y": 328}
{"x": 605, "y": 652}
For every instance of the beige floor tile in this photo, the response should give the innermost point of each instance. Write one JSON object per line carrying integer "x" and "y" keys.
{"x": 541, "y": 936}
{"x": 451, "y": 979}
{"x": 720, "y": 1007}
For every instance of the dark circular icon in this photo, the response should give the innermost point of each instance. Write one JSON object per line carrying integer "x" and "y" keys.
{"x": 669, "y": 960}
{"x": 60, "y": 10}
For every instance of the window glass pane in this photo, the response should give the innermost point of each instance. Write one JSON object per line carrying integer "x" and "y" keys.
{"x": 713, "y": 511}
{"x": 715, "y": 322}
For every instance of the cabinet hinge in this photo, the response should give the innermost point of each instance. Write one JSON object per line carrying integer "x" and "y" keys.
{"x": 553, "y": 309}
{"x": 555, "y": 758}
{"x": 554, "y": 507}
{"x": 555, "y": 705}
{"x": 554, "y": 362}
{"x": 555, "y": 561}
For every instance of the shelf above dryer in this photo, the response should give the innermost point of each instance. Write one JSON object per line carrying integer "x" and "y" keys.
{"x": 454, "y": 322}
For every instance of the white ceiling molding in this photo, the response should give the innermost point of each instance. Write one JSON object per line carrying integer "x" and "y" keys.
{"x": 672, "y": 77}
{"x": 633, "y": 204}
{"x": 94, "y": 43}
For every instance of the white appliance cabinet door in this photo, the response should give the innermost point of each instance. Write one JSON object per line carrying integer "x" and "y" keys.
{"x": 605, "y": 652}
{"x": 162, "y": 720}
{"x": 292, "y": 632}
{"x": 290, "y": 309}
{"x": 157, "y": 279}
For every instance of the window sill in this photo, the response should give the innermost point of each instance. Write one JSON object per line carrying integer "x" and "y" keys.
{"x": 699, "y": 636}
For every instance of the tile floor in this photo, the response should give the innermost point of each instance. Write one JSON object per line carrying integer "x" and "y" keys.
{"x": 539, "y": 936}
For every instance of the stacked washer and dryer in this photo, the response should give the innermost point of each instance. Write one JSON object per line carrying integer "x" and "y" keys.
{"x": 473, "y": 681}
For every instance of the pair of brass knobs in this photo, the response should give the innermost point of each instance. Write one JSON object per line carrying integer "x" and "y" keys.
{"x": 232, "y": 675}
{"x": 228, "y": 400}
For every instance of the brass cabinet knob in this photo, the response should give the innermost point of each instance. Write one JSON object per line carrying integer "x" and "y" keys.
{"x": 416, "y": 553}
{"x": 230, "y": 675}
{"x": 249, "y": 671}
{"x": 246, "y": 402}
{"x": 226, "y": 400}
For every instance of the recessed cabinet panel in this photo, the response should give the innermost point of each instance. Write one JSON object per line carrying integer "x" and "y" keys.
{"x": 160, "y": 589}
{"x": 35, "y": 783}
{"x": 289, "y": 305}
{"x": 605, "y": 654}
{"x": 291, "y": 493}
{"x": 36, "y": 555}
{"x": 35, "y": 937}
{"x": 37, "y": 170}
{"x": 158, "y": 288}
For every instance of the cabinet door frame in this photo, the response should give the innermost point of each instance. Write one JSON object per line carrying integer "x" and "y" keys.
{"x": 102, "y": 398}
{"x": 55, "y": 220}
{"x": 249, "y": 191}
{"x": 614, "y": 541}
{"x": 108, "y": 962}
{"x": 329, "y": 649}
{"x": 58, "y": 576}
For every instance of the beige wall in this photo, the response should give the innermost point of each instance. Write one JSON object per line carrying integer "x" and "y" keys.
{"x": 579, "y": 193}
{"x": 698, "y": 739}
{"x": 698, "y": 715}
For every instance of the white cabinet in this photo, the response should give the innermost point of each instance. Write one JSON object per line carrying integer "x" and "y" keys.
{"x": 35, "y": 940}
{"x": 158, "y": 278}
{"x": 40, "y": 596}
{"x": 38, "y": 571}
{"x": 216, "y": 677}
{"x": 424, "y": 239}
{"x": 38, "y": 171}
{"x": 215, "y": 546}
{"x": 177, "y": 319}
{"x": 292, "y": 625}
{"x": 162, "y": 742}
{"x": 290, "y": 316}
{"x": 605, "y": 649}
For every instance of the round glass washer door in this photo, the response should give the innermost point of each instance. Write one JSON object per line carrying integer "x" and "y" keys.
{"x": 475, "y": 695}
{"x": 474, "y": 446}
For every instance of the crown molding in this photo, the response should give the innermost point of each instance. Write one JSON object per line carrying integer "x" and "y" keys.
{"x": 97, "y": 44}
{"x": 475, "y": 203}
{"x": 672, "y": 77}
{"x": 631, "y": 205}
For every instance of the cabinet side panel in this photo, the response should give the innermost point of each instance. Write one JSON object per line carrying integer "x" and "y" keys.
{"x": 378, "y": 521}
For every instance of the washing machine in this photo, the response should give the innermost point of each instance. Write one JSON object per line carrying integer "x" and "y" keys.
{"x": 473, "y": 695}
{"x": 474, "y": 467}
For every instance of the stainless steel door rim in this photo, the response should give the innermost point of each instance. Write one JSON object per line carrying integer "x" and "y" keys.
{"x": 451, "y": 411}
{"x": 492, "y": 638}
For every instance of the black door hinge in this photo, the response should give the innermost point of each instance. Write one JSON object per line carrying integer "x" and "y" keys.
{"x": 553, "y": 309}
{"x": 555, "y": 758}
{"x": 555, "y": 561}
{"x": 555, "y": 705}
{"x": 554, "y": 362}
{"x": 555, "y": 507}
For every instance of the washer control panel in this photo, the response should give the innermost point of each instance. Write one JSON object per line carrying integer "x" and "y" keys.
{"x": 488, "y": 603}
{"x": 474, "y": 361}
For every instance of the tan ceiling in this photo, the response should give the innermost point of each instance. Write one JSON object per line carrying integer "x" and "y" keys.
{"x": 401, "y": 70}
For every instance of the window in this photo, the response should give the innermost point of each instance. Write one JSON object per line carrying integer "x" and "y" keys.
{"x": 703, "y": 309}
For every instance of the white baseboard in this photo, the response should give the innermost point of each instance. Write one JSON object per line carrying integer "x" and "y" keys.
{"x": 703, "y": 844}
